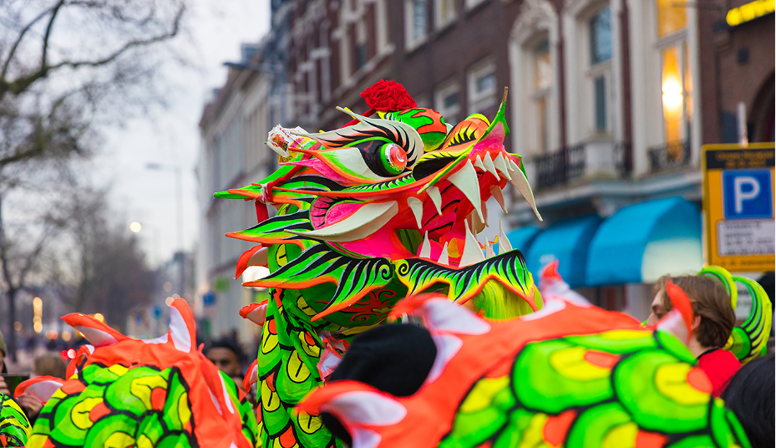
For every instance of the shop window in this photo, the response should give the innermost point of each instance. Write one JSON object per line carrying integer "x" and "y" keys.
{"x": 415, "y": 22}
{"x": 675, "y": 76}
{"x": 482, "y": 87}
{"x": 444, "y": 12}
{"x": 542, "y": 83}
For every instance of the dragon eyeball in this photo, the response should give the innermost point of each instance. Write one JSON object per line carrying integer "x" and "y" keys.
{"x": 393, "y": 158}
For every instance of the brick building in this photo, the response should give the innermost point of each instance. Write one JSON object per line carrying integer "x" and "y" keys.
{"x": 609, "y": 103}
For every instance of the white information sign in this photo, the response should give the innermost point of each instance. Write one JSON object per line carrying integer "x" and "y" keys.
{"x": 746, "y": 237}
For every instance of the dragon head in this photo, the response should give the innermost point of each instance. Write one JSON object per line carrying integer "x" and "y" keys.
{"x": 385, "y": 207}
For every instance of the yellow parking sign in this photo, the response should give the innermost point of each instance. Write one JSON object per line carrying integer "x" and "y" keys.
{"x": 738, "y": 201}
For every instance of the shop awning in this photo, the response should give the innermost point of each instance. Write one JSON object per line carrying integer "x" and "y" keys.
{"x": 566, "y": 241}
{"x": 641, "y": 242}
{"x": 522, "y": 238}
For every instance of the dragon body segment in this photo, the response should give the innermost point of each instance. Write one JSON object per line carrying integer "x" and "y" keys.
{"x": 571, "y": 375}
{"x": 387, "y": 206}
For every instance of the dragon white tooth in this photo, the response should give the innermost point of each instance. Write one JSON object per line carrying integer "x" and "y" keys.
{"x": 496, "y": 192}
{"x": 425, "y": 248}
{"x": 489, "y": 252}
{"x": 489, "y": 167}
{"x": 503, "y": 242}
{"x": 443, "y": 257}
{"x": 364, "y": 222}
{"x": 436, "y": 198}
{"x": 476, "y": 224}
{"x": 512, "y": 165}
{"x": 416, "y": 205}
{"x": 465, "y": 179}
{"x": 478, "y": 163}
{"x": 501, "y": 165}
{"x": 521, "y": 183}
{"x": 471, "y": 250}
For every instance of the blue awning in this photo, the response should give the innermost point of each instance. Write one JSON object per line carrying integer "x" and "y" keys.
{"x": 566, "y": 241}
{"x": 522, "y": 238}
{"x": 641, "y": 242}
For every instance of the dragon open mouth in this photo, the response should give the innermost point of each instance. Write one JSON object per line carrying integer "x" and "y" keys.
{"x": 389, "y": 204}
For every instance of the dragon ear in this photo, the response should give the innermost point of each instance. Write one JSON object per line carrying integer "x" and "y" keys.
{"x": 255, "y": 312}
{"x": 41, "y": 388}
{"x": 182, "y": 327}
{"x": 553, "y": 287}
{"x": 252, "y": 377}
{"x": 679, "y": 320}
{"x": 360, "y": 408}
{"x": 97, "y": 333}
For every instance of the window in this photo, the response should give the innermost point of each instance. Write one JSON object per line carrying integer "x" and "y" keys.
{"x": 600, "y": 33}
{"x": 601, "y": 36}
{"x": 482, "y": 87}
{"x": 416, "y": 22}
{"x": 444, "y": 12}
{"x": 472, "y": 3}
{"x": 542, "y": 82}
{"x": 675, "y": 76}
{"x": 360, "y": 43}
{"x": 671, "y": 17}
{"x": 447, "y": 101}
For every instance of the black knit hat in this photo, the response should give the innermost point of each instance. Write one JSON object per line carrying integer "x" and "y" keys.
{"x": 392, "y": 358}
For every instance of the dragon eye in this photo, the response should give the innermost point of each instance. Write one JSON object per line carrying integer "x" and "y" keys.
{"x": 393, "y": 158}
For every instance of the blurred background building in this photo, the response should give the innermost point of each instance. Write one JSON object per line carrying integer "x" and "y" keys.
{"x": 609, "y": 103}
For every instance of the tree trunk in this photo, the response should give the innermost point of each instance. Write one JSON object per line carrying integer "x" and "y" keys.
{"x": 11, "y": 294}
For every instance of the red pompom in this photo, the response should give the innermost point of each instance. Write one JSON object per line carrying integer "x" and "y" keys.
{"x": 388, "y": 96}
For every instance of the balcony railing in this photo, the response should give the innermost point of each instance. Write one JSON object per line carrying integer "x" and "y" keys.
{"x": 623, "y": 159}
{"x": 669, "y": 156}
{"x": 560, "y": 167}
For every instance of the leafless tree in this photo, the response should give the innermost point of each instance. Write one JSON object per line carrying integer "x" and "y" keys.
{"x": 66, "y": 68}
{"x": 102, "y": 268}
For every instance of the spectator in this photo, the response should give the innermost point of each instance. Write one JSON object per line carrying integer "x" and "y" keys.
{"x": 227, "y": 356}
{"x": 750, "y": 396}
{"x": 48, "y": 364}
{"x": 714, "y": 321}
{"x": 3, "y": 369}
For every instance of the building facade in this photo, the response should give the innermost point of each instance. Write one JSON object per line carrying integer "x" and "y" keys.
{"x": 233, "y": 130}
{"x": 609, "y": 104}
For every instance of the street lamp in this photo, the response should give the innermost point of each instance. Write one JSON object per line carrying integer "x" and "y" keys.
{"x": 178, "y": 196}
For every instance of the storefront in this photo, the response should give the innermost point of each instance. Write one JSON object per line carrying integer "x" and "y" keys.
{"x": 615, "y": 261}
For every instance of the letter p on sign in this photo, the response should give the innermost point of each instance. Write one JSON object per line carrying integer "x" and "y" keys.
{"x": 748, "y": 194}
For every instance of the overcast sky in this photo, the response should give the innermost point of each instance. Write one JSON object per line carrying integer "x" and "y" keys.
{"x": 171, "y": 136}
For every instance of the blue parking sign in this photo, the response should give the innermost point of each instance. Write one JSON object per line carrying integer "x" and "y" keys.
{"x": 748, "y": 193}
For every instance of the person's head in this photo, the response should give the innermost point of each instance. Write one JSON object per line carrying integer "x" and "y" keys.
{"x": 379, "y": 357}
{"x": 714, "y": 316}
{"x": 226, "y": 356}
{"x": 49, "y": 364}
{"x": 3, "y": 352}
{"x": 750, "y": 396}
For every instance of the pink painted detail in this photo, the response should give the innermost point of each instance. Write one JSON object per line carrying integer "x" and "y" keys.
{"x": 341, "y": 210}
{"x": 322, "y": 169}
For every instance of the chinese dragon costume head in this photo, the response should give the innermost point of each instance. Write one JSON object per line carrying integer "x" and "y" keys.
{"x": 387, "y": 206}
{"x": 125, "y": 392}
{"x": 570, "y": 375}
